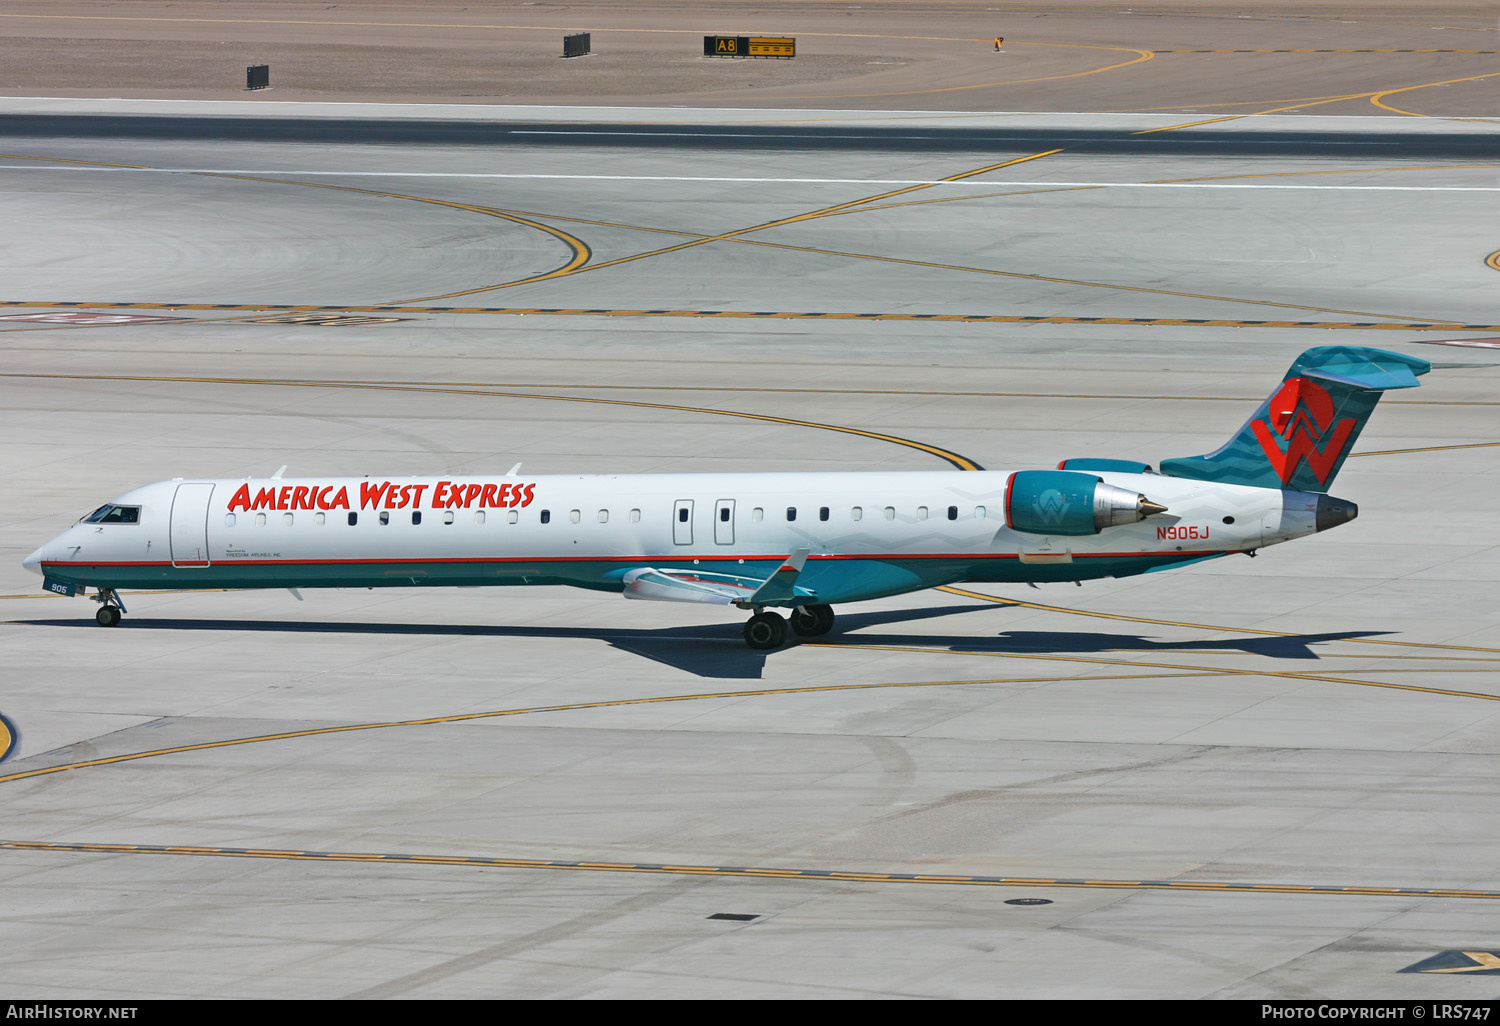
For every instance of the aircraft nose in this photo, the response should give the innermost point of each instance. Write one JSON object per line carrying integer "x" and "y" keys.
{"x": 33, "y": 562}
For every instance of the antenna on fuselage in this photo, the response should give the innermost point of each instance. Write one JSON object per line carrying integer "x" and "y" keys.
{"x": 279, "y": 473}
{"x": 512, "y": 471}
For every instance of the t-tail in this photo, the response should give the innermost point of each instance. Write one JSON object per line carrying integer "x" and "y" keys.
{"x": 1300, "y": 436}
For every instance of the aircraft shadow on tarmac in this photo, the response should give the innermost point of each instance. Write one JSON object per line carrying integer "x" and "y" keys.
{"x": 717, "y": 651}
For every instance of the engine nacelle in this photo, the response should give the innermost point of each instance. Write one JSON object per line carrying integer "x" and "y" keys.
{"x": 1070, "y": 503}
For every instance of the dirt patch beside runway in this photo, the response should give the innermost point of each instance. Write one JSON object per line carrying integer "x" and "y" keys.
{"x": 1085, "y": 55}
{"x": 165, "y": 69}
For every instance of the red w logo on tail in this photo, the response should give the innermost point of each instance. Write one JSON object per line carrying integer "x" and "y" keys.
{"x": 1300, "y": 414}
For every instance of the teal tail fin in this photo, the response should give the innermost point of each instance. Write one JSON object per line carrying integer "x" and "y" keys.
{"x": 1299, "y": 437}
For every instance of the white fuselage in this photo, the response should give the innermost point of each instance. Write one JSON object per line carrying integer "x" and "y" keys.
{"x": 868, "y": 534}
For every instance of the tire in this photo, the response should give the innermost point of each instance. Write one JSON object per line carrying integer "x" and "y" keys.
{"x": 765, "y": 631}
{"x": 812, "y": 621}
{"x": 108, "y": 616}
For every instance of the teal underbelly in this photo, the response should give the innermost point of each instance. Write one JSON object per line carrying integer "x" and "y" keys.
{"x": 832, "y": 579}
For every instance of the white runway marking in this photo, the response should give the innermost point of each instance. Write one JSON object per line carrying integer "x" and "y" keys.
{"x": 878, "y": 182}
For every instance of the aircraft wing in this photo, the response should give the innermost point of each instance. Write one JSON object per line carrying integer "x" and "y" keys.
{"x": 665, "y": 584}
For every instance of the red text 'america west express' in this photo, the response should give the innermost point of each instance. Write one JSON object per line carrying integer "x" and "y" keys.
{"x": 385, "y": 495}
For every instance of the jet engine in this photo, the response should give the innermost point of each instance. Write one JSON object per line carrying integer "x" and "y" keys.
{"x": 1070, "y": 503}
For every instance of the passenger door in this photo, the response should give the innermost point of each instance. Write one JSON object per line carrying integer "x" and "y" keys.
{"x": 724, "y": 522}
{"x": 189, "y": 529}
{"x": 682, "y": 522}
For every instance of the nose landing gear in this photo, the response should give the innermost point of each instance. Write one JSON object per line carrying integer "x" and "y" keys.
{"x": 110, "y": 607}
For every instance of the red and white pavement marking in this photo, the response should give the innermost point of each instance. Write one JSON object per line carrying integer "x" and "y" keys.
{"x": 1468, "y": 343}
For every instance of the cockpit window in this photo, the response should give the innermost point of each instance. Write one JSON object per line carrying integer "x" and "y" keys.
{"x": 111, "y": 514}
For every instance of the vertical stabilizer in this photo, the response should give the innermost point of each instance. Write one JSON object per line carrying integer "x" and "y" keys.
{"x": 1300, "y": 436}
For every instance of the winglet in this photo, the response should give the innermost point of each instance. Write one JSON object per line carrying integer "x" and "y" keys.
{"x": 779, "y": 587}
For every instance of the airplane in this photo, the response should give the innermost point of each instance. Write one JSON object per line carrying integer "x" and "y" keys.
{"x": 801, "y": 542}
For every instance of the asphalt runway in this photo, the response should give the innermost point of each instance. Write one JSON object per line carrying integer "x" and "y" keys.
{"x": 1432, "y": 140}
{"x": 1266, "y": 778}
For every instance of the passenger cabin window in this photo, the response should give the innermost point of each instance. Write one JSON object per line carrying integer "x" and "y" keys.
{"x": 822, "y": 512}
{"x": 856, "y": 513}
{"x": 546, "y": 516}
{"x": 112, "y": 514}
{"x": 635, "y": 516}
{"x": 574, "y": 516}
{"x": 791, "y": 513}
{"x": 229, "y": 520}
{"x": 890, "y": 512}
{"x": 952, "y": 512}
{"x": 604, "y": 516}
{"x": 353, "y": 519}
{"x": 385, "y": 517}
{"x": 512, "y": 517}
{"x": 447, "y": 516}
{"x": 921, "y": 512}
{"x": 286, "y": 518}
{"x": 260, "y": 520}
{"x": 757, "y": 514}
{"x": 320, "y": 519}
{"x": 479, "y": 516}
{"x": 978, "y": 512}
{"x": 416, "y": 517}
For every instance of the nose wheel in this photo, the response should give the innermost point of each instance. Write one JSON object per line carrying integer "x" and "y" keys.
{"x": 110, "y": 608}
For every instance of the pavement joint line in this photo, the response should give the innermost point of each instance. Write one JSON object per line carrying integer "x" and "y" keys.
{"x": 759, "y": 872}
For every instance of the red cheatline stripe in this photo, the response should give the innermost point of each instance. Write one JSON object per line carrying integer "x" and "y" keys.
{"x": 665, "y": 558}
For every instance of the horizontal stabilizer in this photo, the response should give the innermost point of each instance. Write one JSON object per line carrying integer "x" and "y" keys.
{"x": 1375, "y": 370}
{"x": 685, "y": 585}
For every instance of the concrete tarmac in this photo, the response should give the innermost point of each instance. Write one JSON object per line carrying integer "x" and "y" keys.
{"x": 1262, "y": 778}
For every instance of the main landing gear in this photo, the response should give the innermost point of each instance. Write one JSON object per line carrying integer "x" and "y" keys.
{"x": 110, "y": 607}
{"x": 812, "y": 621}
{"x": 766, "y": 630}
